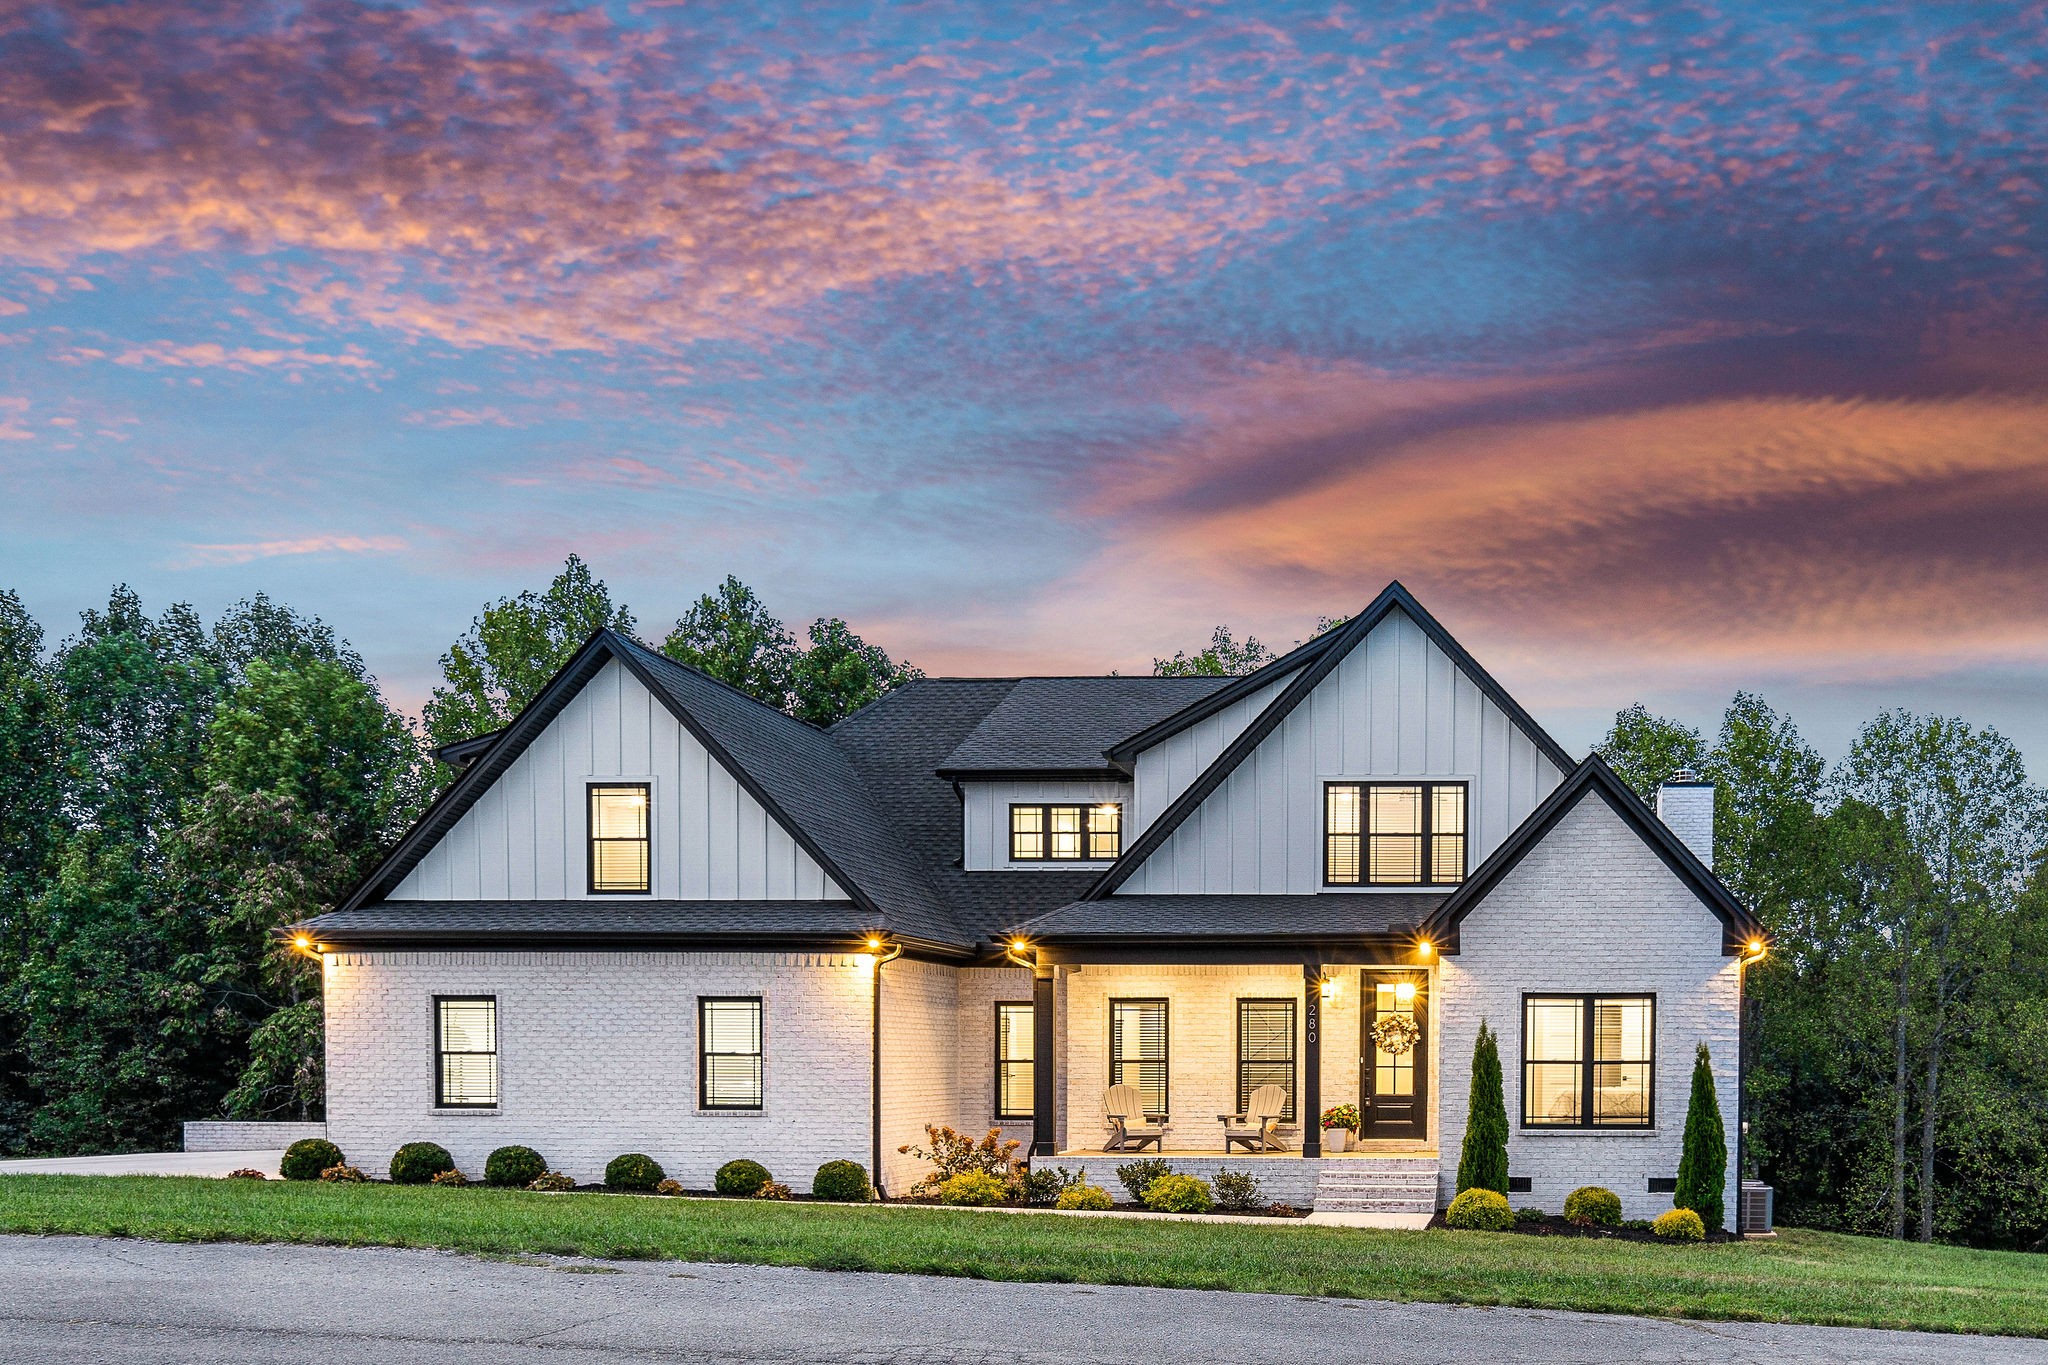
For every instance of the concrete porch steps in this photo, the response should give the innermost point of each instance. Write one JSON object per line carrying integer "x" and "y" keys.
{"x": 1391, "y": 1184}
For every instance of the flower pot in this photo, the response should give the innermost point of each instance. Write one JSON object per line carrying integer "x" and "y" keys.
{"x": 1336, "y": 1139}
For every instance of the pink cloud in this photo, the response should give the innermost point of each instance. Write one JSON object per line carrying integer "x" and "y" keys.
{"x": 249, "y": 551}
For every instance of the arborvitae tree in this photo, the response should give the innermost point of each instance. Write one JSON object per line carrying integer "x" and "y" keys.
{"x": 1483, "y": 1164}
{"x": 1703, "y": 1159}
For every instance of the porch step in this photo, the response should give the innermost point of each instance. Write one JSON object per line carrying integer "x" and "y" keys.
{"x": 1378, "y": 1185}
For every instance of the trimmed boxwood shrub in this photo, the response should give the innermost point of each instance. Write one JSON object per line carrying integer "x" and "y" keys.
{"x": 306, "y": 1158}
{"x": 417, "y": 1163}
{"x": 1137, "y": 1176}
{"x": 742, "y": 1178}
{"x": 974, "y": 1188}
{"x": 1237, "y": 1191}
{"x": 1179, "y": 1194}
{"x": 1592, "y": 1206}
{"x": 1478, "y": 1210}
{"x": 1084, "y": 1197}
{"x": 634, "y": 1171}
{"x": 845, "y": 1181}
{"x": 1680, "y": 1225}
{"x": 514, "y": 1167}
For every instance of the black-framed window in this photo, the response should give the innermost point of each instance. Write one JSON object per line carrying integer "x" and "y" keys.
{"x": 618, "y": 839}
{"x": 1066, "y": 833}
{"x": 1589, "y": 1061}
{"x": 465, "y": 1051}
{"x": 1016, "y": 1059}
{"x": 1394, "y": 833}
{"x": 729, "y": 1052}
{"x": 1137, "y": 1050}
{"x": 1265, "y": 1050}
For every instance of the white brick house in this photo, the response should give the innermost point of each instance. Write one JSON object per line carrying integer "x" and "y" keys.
{"x": 654, "y": 915}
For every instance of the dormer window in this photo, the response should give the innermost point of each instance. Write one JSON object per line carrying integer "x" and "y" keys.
{"x": 1049, "y": 833}
{"x": 618, "y": 839}
{"x": 1393, "y": 833}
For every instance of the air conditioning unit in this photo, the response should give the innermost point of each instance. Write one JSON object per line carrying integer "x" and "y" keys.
{"x": 1754, "y": 1211}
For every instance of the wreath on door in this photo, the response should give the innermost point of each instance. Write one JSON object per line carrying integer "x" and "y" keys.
{"x": 1396, "y": 1033}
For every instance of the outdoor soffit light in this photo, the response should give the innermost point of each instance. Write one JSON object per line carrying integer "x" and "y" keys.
{"x": 1405, "y": 992}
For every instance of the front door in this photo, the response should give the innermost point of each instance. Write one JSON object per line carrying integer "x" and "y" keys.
{"x": 1394, "y": 1079}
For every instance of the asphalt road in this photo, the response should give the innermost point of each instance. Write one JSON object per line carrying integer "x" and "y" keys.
{"x": 75, "y": 1299}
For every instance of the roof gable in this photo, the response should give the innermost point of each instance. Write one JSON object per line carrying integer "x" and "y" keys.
{"x": 1593, "y": 778}
{"x": 1063, "y": 725}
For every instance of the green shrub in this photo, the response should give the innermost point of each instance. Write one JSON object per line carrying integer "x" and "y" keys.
{"x": 306, "y": 1158}
{"x": 1703, "y": 1156}
{"x": 1084, "y": 1197}
{"x": 634, "y": 1171}
{"x": 1483, "y": 1161}
{"x": 417, "y": 1163}
{"x": 247, "y": 1173}
{"x": 952, "y": 1152}
{"x": 552, "y": 1182}
{"x": 1480, "y": 1211}
{"x": 974, "y": 1188}
{"x": 1636, "y": 1225}
{"x": 1680, "y": 1225}
{"x": 1137, "y": 1176}
{"x": 1043, "y": 1185}
{"x": 1590, "y": 1206}
{"x": 1530, "y": 1215}
{"x": 741, "y": 1178}
{"x": 514, "y": 1168}
{"x": 1237, "y": 1191}
{"x": 343, "y": 1175}
{"x": 844, "y": 1181}
{"x": 1179, "y": 1194}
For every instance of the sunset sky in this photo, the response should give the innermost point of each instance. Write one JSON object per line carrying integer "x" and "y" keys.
{"x": 1661, "y": 349}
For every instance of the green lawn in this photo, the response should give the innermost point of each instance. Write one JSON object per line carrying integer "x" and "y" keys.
{"x": 1802, "y": 1277}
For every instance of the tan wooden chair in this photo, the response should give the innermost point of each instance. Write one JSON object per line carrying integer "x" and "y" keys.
{"x": 1254, "y": 1129}
{"x": 1130, "y": 1127}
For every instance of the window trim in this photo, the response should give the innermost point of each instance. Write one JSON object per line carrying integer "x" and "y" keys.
{"x": 1045, "y": 810}
{"x": 704, "y": 1053}
{"x": 1031, "y": 1006}
{"x": 590, "y": 840}
{"x": 1587, "y": 1121}
{"x": 1364, "y": 836}
{"x": 1165, "y": 1058}
{"x": 1293, "y": 1008}
{"x": 441, "y": 1100}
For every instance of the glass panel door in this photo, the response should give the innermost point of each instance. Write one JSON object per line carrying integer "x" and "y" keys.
{"x": 1394, "y": 1056}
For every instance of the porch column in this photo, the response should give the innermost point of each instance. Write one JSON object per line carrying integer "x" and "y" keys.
{"x": 1044, "y": 1102}
{"x": 1312, "y": 1060}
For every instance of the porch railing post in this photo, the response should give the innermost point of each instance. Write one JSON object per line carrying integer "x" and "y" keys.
{"x": 1044, "y": 1106}
{"x": 1312, "y": 1060}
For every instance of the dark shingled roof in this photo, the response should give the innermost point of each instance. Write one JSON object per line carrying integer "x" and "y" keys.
{"x": 1065, "y": 724}
{"x": 1235, "y": 916}
{"x": 610, "y": 922}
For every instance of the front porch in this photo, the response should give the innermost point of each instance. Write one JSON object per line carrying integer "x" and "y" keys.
{"x": 1373, "y": 1188}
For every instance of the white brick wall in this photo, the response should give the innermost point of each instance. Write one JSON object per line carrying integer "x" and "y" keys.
{"x": 598, "y": 1056}
{"x": 980, "y": 989}
{"x": 1591, "y": 909}
{"x": 243, "y": 1135}
{"x": 920, "y": 1013}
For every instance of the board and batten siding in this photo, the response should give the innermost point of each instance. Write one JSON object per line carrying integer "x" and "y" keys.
{"x": 985, "y": 814}
{"x": 526, "y": 838}
{"x": 1171, "y": 766}
{"x": 1397, "y": 706}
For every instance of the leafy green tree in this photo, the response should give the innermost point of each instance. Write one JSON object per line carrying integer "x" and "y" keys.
{"x": 259, "y": 628}
{"x": 1703, "y": 1153}
{"x": 730, "y": 634}
{"x": 840, "y": 673}
{"x": 1225, "y": 656}
{"x": 1646, "y": 749}
{"x": 30, "y": 791}
{"x": 1483, "y": 1160}
{"x": 514, "y": 648}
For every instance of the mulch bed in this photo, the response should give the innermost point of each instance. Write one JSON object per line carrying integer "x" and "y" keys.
{"x": 1553, "y": 1226}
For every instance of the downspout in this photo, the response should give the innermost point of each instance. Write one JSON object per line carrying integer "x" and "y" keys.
{"x": 881, "y": 960}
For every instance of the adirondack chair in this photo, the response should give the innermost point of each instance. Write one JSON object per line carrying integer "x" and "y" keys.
{"x": 1130, "y": 1128}
{"x": 1254, "y": 1128}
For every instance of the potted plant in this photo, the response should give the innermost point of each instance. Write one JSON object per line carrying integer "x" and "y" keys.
{"x": 1340, "y": 1121}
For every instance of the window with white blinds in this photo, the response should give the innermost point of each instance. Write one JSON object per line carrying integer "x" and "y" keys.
{"x": 1265, "y": 1050}
{"x": 729, "y": 1052}
{"x": 465, "y": 1052}
{"x": 1137, "y": 1049}
{"x": 1589, "y": 1061}
{"x": 1393, "y": 833}
{"x": 618, "y": 839}
{"x": 1016, "y": 1058}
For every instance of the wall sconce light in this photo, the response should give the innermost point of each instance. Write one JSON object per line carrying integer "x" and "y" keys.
{"x": 1756, "y": 949}
{"x": 1330, "y": 986}
{"x": 1424, "y": 948}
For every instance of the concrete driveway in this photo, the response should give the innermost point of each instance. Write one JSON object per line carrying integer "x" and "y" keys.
{"x": 75, "y": 1299}
{"x": 147, "y": 1163}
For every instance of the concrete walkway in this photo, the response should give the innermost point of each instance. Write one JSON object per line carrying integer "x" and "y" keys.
{"x": 75, "y": 1299}
{"x": 147, "y": 1163}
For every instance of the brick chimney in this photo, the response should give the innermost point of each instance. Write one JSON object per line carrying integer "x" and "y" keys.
{"x": 1686, "y": 804}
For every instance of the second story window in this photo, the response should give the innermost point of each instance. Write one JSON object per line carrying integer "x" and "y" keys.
{"x": 1393, "y": 833}
{"x": 1049, "y": 833}
{"x": 618, "y": 839}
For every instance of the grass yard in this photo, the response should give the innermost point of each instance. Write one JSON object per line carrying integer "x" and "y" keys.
{"x": 1807, "y": 1277}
